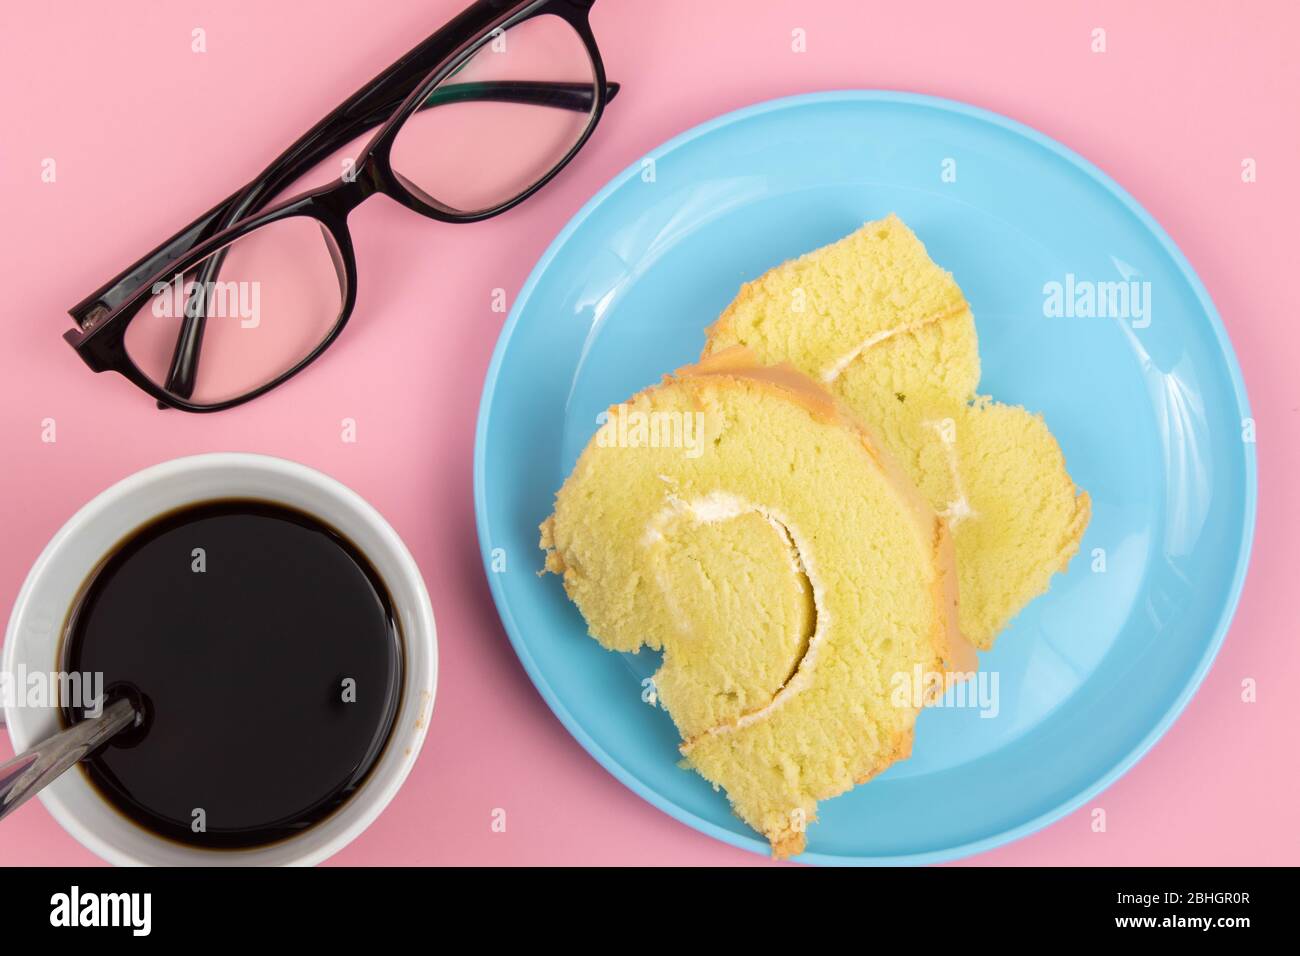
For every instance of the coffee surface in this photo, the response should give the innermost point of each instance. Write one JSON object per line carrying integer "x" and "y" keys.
{"x": 264, "y": 650}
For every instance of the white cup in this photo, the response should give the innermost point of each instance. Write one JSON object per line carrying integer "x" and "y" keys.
{"x": 32, "y": 644}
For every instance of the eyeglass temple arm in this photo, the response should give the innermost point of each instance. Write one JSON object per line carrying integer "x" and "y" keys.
{"x": 363, "y": 112}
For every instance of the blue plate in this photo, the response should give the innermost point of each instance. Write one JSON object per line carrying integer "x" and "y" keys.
{"x": 1144, "y": 395}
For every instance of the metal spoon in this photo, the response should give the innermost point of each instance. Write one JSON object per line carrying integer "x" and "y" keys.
{"x": 29, "y": 772}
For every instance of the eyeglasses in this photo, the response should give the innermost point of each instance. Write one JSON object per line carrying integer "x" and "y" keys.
{"x": 471, "y": 122}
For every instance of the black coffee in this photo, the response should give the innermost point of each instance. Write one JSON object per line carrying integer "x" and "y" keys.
{"x": 263, "y": 649}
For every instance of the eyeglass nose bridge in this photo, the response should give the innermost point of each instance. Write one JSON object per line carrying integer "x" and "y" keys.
{"x": 352, "y": 188}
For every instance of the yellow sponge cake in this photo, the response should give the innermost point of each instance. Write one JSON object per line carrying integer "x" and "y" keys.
{"x": 740, "y": 520}
{"x": 874, "y": 320}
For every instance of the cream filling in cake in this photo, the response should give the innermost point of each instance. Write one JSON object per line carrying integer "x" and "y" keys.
{"x": 836, "y": 368}
{"x": 719, "y": 506}
{"x": 959, "y": 507}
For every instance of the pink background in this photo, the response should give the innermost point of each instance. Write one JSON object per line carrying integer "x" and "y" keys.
{"x": 147, "y": 134}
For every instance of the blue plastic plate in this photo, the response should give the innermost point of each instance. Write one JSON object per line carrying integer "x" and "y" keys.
{"x": 1144, "y": 395}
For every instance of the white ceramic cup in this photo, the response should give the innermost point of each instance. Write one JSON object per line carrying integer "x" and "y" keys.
{"x": 35, "y": 630}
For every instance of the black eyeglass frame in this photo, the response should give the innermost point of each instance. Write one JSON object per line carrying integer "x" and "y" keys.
{"x": 389, "y": 99}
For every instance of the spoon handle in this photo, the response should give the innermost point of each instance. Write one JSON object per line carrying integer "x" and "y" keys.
{"x": 29, "y": 772}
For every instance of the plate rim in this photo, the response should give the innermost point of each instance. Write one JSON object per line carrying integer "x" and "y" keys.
{"x": 1248, "y": 514}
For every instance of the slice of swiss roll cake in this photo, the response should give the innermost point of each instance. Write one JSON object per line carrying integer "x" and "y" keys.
{"x": 876, "y": 322}
{"x": 736, "y": 518}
